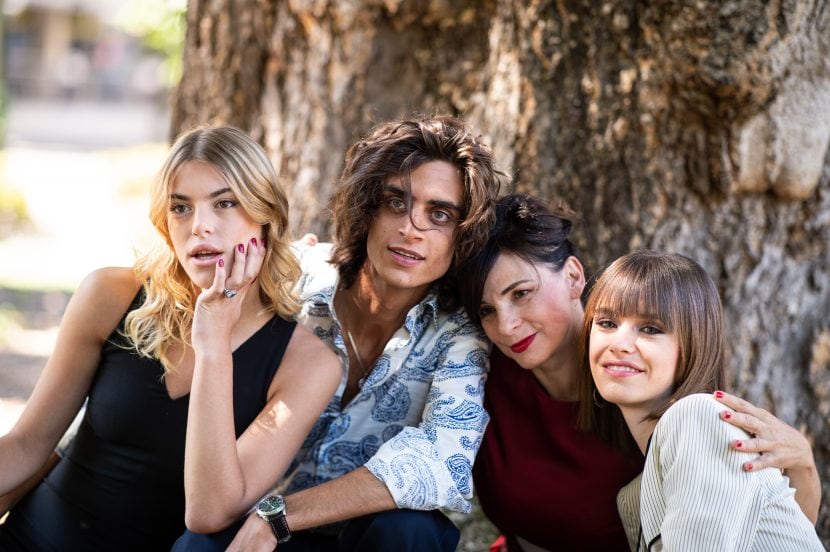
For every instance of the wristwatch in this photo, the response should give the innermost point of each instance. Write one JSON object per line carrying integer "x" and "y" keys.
{"x": 272, "y": 510}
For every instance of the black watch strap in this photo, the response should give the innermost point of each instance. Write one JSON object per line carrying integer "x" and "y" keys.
{"x": 279, "y": 525}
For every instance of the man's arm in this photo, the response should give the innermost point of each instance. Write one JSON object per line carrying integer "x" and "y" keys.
{"x": 442, "y": 447}
{"x": 355, "y": 494}
{"x": 429, "y": 466}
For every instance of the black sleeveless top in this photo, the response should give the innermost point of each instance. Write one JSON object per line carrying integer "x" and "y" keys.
{"x": 121, "y": 484}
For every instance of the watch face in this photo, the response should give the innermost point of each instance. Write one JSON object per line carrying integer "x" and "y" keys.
{"x": 271, "y": 505}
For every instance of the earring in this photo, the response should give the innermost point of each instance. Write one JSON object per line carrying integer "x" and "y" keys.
{"x": 599, "y": 402}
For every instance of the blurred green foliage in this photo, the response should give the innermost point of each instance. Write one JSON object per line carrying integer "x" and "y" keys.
{"x": 13, "y": 212}
{"x": 161, "y": 25}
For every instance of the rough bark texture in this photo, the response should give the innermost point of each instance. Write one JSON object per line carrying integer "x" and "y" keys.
{"x": 699, "y": 127}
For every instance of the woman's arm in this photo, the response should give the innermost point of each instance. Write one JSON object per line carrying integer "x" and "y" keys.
{"x": 779, "y": 446}
{"x": 8, "y": 500}
{"x": 225, "y": 476}
{"x": 91, "y": 315}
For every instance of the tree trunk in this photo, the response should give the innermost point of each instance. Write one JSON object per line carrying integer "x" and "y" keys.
{"x": 701, "y": 128}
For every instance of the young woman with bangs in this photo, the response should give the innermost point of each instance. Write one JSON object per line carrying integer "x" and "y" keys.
{"x": 654, "y": 340}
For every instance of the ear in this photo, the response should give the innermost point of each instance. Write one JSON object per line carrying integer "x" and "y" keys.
{"x": 575, "y": 276}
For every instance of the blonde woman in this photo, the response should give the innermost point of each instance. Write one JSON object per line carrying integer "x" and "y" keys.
{"x": 200, "y": 328}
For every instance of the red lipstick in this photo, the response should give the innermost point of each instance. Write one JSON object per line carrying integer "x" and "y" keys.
{"x": 521, "y": 346}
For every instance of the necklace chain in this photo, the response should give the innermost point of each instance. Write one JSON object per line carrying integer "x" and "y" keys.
{"x": 357, "y": 356}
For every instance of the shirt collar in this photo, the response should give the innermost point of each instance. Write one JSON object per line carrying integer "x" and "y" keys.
{"x": 427, "y": 309}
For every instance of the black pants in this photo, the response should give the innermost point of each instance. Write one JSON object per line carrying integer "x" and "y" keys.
{"x": 398, "y": 530}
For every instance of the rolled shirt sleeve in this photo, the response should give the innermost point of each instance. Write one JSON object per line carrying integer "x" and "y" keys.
{"x": 429, "y": 466}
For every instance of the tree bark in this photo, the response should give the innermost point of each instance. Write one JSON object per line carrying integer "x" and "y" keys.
{"x": 700, "y": 128}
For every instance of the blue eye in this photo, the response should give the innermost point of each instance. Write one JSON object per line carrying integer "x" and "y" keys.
{"x": 440, "y": 216}
{"x": 651, "y": 330}
{"x": 605, "y": 323}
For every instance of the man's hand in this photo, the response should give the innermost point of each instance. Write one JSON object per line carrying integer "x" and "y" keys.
{"x": 254, "y": 536}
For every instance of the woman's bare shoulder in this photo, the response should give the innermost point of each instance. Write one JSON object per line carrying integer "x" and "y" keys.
{"x": 304, "y": 341}
{"x": 104, "y": 295}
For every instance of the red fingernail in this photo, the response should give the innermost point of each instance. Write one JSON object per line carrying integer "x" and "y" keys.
{"x": 253, "y": 241}
{"x": 241, "y": 248}
{"x": 726, "y": 415}
{"x": 719, "y": 394}
{"x": 748, "y": 467}
{"x": 739, "y": 444}
{"x": 222, "y": 262}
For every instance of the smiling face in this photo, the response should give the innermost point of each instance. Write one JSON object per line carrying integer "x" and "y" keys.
{"x": 206, "y": 222}
{"x": 633, "y": 361}
{"x": 412, "y": 249}
{"x": 531, "y": 312}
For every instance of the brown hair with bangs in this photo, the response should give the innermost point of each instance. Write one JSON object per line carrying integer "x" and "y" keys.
{"x": 396, "y": 149}
{"x": 676, "y": 292}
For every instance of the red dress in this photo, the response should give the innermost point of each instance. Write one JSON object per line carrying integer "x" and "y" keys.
{"x": 538, "y": 477}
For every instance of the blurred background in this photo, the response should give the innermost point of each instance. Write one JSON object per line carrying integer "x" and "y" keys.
{"x": 84, "y": 118}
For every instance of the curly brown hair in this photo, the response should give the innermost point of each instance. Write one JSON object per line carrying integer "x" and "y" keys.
{"x": 397, "y": 148}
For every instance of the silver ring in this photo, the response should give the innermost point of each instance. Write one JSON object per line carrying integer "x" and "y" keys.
{"x": 229, "y": 293}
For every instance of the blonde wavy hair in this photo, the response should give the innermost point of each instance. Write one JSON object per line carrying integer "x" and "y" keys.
{"x": 166, "y": 314}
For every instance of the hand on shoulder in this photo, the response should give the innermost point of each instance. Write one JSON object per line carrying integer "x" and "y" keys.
{"x": 696, "y": 417}
{"x": 779, "y": 444}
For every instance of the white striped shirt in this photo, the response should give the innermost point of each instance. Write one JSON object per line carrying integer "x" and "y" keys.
{"x": 694, "y": 495}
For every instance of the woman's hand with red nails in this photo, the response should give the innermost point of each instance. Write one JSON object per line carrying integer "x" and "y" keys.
{"x": 216, "y": 314}
{"x": 778, "y": 445}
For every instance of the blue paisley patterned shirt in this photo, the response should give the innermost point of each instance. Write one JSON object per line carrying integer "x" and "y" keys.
{"x": 417, "y": 422}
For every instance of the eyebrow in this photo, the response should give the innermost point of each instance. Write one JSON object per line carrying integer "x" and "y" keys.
{"x": 217, "y": 193}
{"x": 390, "y": 188}
{"x": 513, "y": 286}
